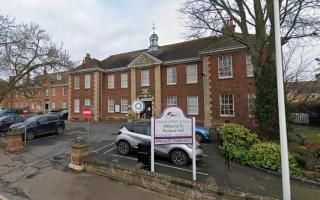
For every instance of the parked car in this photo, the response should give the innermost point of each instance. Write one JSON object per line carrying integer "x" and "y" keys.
{"x": 9, "y": 111}
{"x": 202, "y": 134}
{"x": 40, "y": 124}
{"x": 64, "y": 114}
{"x": 133, "y": 134}
{"x": 7, "y": 120}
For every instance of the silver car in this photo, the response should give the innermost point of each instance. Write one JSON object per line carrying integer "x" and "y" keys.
{"x": 133, "y": 134}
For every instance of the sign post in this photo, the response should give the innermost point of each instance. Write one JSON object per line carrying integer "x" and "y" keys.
{"x": 173, "y": 127}
{"x": 87, "y": 114}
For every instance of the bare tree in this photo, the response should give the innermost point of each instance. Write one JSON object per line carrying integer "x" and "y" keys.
{"x": 255, "y": 22}
{"x": 25, "y": 51}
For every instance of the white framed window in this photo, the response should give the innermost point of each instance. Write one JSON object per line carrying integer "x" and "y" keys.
{"x": 124, "y": 105}
{"x": 226, "y": 105}
{"x": 124, "y": 80}
{"x": 53, "y": 91}
{"x": 192, "y": 105}
{"x": 111, "y": 105}
{"x": 249, "y": 66}
{"x": 53, "y": 105}
{"x": 32, "y": 106}
{"x": 58, "y": 77}
{"x": 192, "y": 74}
{"x": 64, "y": 91}
{"x": 111, "y": 81}
{"x": 171, "y": 76}
{"x": 87, "y": 102}
{"x": 64, "y": 104}
{"x": 251, "y": 99}
{"x": 87, "y": 81}
{"x": 76, "y": 104}
{"x": 172, "y": 101}
{"x": 145, "y": 77}
{"x": 46, "y": 92}
{"x": 77, "y": 82}
{"x": 225, "y": 67}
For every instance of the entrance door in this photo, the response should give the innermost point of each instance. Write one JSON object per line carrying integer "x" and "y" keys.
{"x": 147, "y": 113}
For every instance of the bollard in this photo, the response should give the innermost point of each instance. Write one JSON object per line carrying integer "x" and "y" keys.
{"x": 80, "y": 151}
{"x": 14, "y": 141}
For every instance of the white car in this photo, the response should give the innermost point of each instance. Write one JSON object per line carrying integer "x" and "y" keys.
{"x": 133, "y": 134}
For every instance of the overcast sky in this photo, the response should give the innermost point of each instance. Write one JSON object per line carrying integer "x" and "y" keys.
{"x": 100, "y": 27}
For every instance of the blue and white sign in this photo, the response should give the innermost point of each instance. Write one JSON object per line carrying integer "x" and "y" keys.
{"x": 138, "y": 106}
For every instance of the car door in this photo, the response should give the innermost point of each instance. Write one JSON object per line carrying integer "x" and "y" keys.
{"x": 52, "y": 121}
{"x": 42, "y": 125}
{"x": 136, "y": 135}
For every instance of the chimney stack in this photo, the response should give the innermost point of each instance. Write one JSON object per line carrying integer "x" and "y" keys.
{"x": 228, "y": 27}
{"x": 87, "y": 58}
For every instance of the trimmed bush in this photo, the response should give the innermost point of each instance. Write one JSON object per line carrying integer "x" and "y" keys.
{"x": 301, "y": 160}
{"x": 267, "y": 155}
{"x": 237, "y": 140}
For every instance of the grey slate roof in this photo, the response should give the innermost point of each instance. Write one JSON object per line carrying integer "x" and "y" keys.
{"x": 182, "y": 50}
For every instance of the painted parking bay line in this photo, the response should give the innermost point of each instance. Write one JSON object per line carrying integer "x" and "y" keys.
{"x": 109, "y": 150}
{"x": 96, "y": 151}
{"x": 163, "y": 165}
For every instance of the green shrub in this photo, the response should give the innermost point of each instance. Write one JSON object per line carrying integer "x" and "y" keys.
{"x": 301, "y": 160}
{"x": 236, "y": 140}
{"x": 267, "y": 155}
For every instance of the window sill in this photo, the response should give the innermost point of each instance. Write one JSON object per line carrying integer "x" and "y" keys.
{"x": 110, "y": 112}
{"x": 229, "y": 77}
{"x": 124, "y": 87}
{"x": 250, "y": 76}
{"x": 192, "y": 83}
{"x": 227, "y": 115}
{"x": 193, "y": 114}
{"x": 171, "y": 83}
{"x": 145, "y": 85}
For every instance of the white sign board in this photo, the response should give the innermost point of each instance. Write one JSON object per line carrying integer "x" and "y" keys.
{"x": 173, "y": 127}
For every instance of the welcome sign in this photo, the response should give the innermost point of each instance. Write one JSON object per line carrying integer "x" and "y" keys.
{"x": 173, "y": 127}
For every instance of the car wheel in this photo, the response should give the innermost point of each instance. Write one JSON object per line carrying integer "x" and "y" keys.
{"x": 179, "y": 158}
{"x": 199, "y": 137}
{"x": 123, "y": 147}
{"x": 30, "y": 135}
{"x": 59, "y": 130}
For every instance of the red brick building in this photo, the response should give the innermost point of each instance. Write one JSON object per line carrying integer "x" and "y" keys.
{"x": 53, "y": 93}
{"x": 209, "y": 78}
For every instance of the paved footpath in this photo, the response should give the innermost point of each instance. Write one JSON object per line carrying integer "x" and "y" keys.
{"x": 41, "y": 173}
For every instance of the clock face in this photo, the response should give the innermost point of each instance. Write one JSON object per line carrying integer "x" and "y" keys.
{"x": 138, "y": 106}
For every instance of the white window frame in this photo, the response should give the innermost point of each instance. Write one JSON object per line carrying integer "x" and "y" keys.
{"x": 145, "y": 78}
{"x": 64, "y": 104}
{"x": 53, "y": 104}
{"x": 87, "y": 81}
{"x": 251, "y": 98}
{"x": 189, "y": 110}
{"x": 53, "y": 91}
{"x": 87, "y": 102}
{"x": 194, "y": 73}
{"x": 124, "y": 80}
{"x": 172, "y": 101}
{"x": 46, "y": 92}
{"x": 111, "y": 104}
{"x": 223, "y": 104}
{"x": 111, "y": 81}
{"x": 76, "y": 105}
{"x": 64, "y": 91}
{"x": 249, "y": 66}
{"x": 77, "y": 82}
{"x": 58, "y": 77}
{"x": 171, "y": 76}
{"x": 225, "y": 66}
{"x": 124, "y": 105}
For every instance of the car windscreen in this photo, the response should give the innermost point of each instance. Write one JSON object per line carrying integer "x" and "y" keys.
{"x": 33, "y": 119}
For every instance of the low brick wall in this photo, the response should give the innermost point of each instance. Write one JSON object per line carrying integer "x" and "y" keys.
{"x": 172, "y": 186}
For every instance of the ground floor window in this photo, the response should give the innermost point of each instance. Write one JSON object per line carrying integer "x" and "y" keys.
{"x": 226, "y": 104}
{"x": 124, "y": 105}
{"x": 87, "y": 102}
{"x": 53, "y": 105}
{"x": 251, "y": 98}
{"x": 64, "y": 104}
{"x": 193, "y": 106}
{"x": 111, "y": 105}
{"x": 172, "y": 101}
{"x": 76, "y": 106}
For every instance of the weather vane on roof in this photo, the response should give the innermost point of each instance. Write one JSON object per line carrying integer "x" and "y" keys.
{"x": 153, "y": 27}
